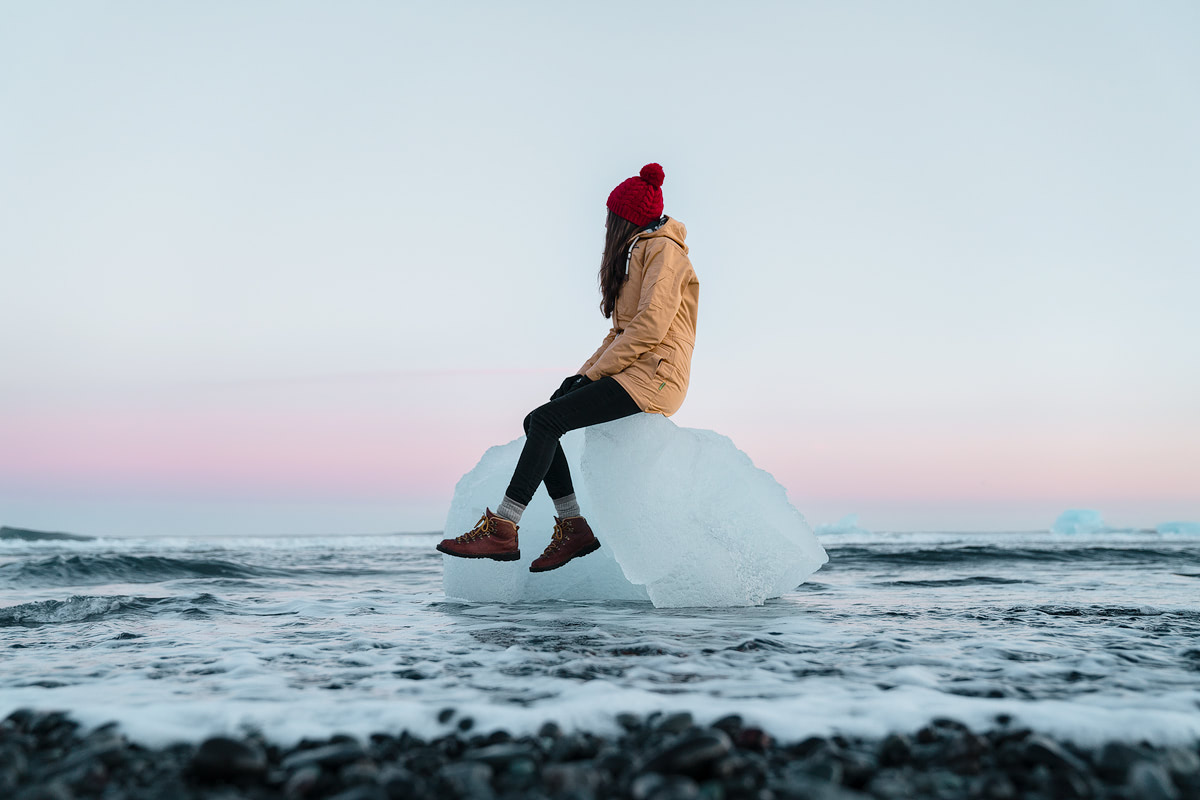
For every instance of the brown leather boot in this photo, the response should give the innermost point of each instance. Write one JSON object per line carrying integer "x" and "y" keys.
{"x": 492, "y": 537}
{"x": 572, "y": 538}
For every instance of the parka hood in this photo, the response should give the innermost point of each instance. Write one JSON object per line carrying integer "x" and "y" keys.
{"x": 672, "y": 229}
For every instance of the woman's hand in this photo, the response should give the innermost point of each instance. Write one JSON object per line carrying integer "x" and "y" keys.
{"x": 571, "y": 384}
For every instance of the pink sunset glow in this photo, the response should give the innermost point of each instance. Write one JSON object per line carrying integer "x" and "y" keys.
{"x": 413, "y": 436}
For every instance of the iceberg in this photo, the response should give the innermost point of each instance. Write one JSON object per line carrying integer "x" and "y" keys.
{"x": 1078, "y": 520}
{"x": 683, "y": 516}
{"x": 847, "y": 524}
{"x": 1185, "y": 528}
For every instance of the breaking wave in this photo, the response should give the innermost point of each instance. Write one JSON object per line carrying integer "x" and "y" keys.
{"x": 89, "y": 608}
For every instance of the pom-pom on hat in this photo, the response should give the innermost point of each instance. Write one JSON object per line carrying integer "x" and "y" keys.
{"x": 639, "y": 199}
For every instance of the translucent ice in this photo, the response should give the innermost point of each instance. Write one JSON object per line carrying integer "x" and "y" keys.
{"x": 847, "y": 524}
{"x": 1188, "y": 528}
{"x": 684, "y": 519}
{"x": 1078, "y": 520}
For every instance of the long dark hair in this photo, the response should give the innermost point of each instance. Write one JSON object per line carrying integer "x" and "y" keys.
{"x": 612, "y": 264}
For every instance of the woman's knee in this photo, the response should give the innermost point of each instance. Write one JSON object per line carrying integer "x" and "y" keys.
{"x": 545, "y": 418}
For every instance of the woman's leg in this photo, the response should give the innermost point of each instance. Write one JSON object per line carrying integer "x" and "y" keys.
{"x": 542, "y": 457}
{"x": 558, "y": 476}
{"x": 558, "y": 480}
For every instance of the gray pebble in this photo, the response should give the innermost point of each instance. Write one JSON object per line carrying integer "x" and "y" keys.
{"x": 302, "y": 782}
{"x": 653, "y": 786}
{"x": 370, "y": 792}
{"x": 813, "y": 789}
{"x": 499, "y": 755}
{"x": 946, "y": 784}
{"x": 1183, "y": 763}
{"x": 358, "y": 772}
{"x": 820, "y": 766}
{"x": 468, "y": 779}
{"x": 13, "y": 766}
{"x": 630, "y": 722}
{"x": 571, "y": 778}
{"x": 895, "y": 750}
{"x": 675, "y": 723}
{"x": 947, "y": 722}
{"x": 1115, "y": 758}
{"x": 692, "y": 754}
{"x": 645, "y": 785}
{"x": 110, "y": 753}
{"x": 400, "y": 782}
{"x": 19, "y": 719}
{"x": 810, "y": 746}
{"x": 857, "y": 768}
{"x": 891, "y": 783}
{"x": 222, "y": 758}
{"x": 1150, "y": 781}
{"x": 1040, "y": 750}
{"x": 731, "y": 724}
{"x": 55, "y": 790}
{"x": 330, "y": 755}
{"x": 993, "y": 787}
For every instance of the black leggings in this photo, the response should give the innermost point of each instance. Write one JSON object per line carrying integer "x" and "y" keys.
{"x": 543, "y": 458}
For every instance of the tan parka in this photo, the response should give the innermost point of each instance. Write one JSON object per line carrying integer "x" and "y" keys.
{"x": 649, "y": 348}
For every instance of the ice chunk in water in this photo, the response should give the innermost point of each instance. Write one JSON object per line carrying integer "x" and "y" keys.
{"x": 1189, "y": 528}
{"x": 847, "y": 524}
{"x": 1078, "y": 520}
{"x": 684, "y": 519}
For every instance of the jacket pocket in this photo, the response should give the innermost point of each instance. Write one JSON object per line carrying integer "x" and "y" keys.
{"x": 662, "y": 362}
{"x": 646, "y": 366}
{"x": 665, "y": 372}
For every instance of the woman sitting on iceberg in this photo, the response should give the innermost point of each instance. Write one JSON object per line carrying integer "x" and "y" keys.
{"x": 650, "y": 292}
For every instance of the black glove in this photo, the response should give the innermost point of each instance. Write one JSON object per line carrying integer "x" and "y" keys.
{"x": 570, "y": 384}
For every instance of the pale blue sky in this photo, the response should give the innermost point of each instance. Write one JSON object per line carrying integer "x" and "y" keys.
{"x": 948, "y": 252}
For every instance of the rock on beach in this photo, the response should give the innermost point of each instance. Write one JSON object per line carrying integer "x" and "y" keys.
{"x": 45, "y": 755}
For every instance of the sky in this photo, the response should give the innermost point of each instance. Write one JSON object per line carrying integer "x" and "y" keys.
{"x": 292, "y": 267}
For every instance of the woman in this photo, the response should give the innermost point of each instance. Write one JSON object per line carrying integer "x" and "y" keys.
{"x": 650, "y": 292}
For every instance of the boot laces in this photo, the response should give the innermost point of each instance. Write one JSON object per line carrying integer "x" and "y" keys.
{"x": 482, "y": 528}
{"x": 561, "y": 531}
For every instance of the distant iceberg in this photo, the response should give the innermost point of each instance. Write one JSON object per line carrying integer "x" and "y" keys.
{"x": 683, "y": 516}
{"x": 847, "y": 524}
{"x": 1078, "y": 520}
{"x": 1189, "y": 528}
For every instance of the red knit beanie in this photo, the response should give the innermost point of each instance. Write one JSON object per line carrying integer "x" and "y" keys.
{"x": 639, "y": 199}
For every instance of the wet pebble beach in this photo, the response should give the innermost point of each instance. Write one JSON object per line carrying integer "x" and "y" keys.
{"x": 48, "y": 756}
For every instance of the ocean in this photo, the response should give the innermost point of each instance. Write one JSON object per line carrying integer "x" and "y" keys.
{"x": 1089, "y": 638}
